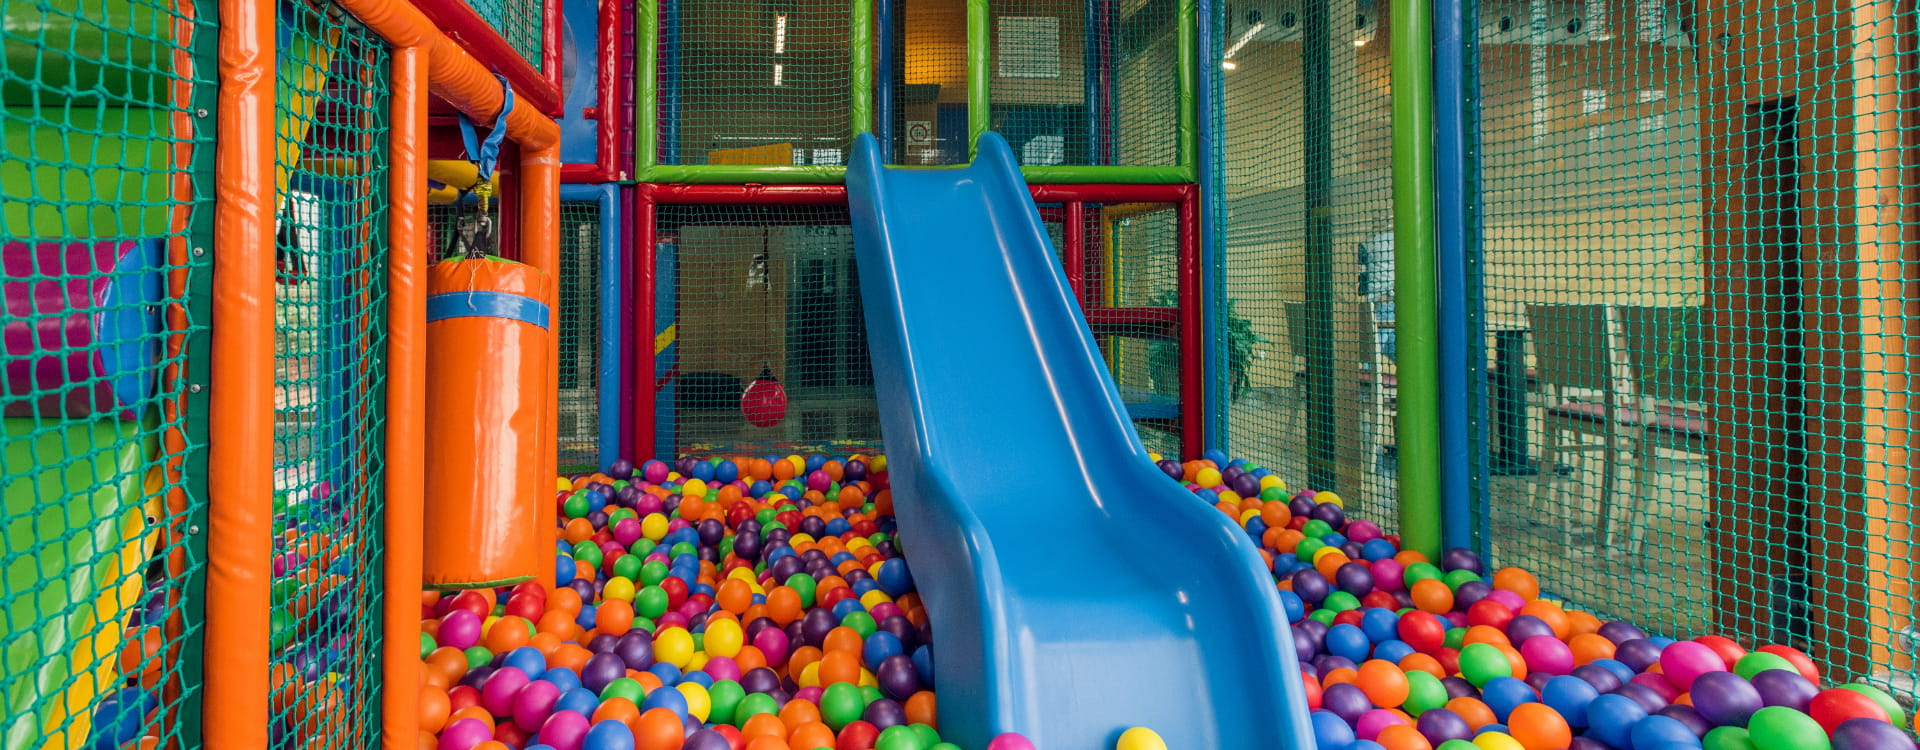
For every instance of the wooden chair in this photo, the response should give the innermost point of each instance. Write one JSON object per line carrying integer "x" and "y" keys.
{"x": 1580, "y": 378}
{"x": 1666, "y": 356}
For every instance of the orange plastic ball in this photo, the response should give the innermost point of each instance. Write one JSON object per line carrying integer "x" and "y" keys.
{"x": 1538, "y": 727}
{"x": 922, "y": 708}
{"x": 840, "y": 666}
{"x": 1432, "y": 595}
{"x": 1473, "y": 710}
{"x": 614, "y": 617}
{"x": 1402, "y": 737}
{"x": 1517, "y": 581}
{"x": 1384, "y": 682}
{"x": 1590, "y": 647}
{"x": 1423, "y": 663}
{"x": 507, "y": 634}
{"x": 1551, "y": 613}
{"x": 434, "y": 709}
{"x": 658, "y": 728}
{"x": 783, "y": 605}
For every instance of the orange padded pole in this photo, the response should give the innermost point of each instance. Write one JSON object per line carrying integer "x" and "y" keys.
{"x": 406, "y": 400}
{"x": 540, "y": 248}
{"x": 240, "y": 408}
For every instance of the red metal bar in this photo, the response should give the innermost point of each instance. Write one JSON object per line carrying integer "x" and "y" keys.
{"x": 1192, "y": 352}
{"x": 552, "y": 15}
{"x": 1110, "y": 193}
{"x": 645, "y": 256}
{"x": 585, "y": 174}
{"x": 1074, "y": 255}
{"x": 465, "y": 27}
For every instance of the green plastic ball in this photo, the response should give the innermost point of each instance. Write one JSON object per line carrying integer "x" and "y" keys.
{"x": 624, "y": 687}
{"x": 477, "y": 657}
{"x": 804, "y": 585}
{"x": 1457, "y": 745}
{"x": 898, "y": 737}
{"x": 841, "y": 705}
{"x": 1420, "y": 571}
{"x": 653, "y": 572}
{"x": 1424, "y": 693}
{"x": 1782, "y": 728}
{"x": 1759, "y": 661}
{"x": 427, "y": 646}
{"x": 1273, "y": 493}
{"x": 651, "y": 602}
{"x": 754, "y": 705}
{"x": 870, "y": 693}
{"x": 577, "y": 505}
{"x": 1341, "y": 601}
{"x": 1455, "y": 638}
{"x": 627, "y": 566}
{"x": 683, "y": 548}
{"x": 1887, "y": 703}
{"x": 1323, "y": 615}
{"x": 765, "y": 516}
{"x": 587, "y": 552}
{"x": 1458, "y": 577}
{"x": 1727, "y": 738}
{"x": 279, "y": 629}
{"x": 1481, "y": 662}
{"x": 1307, "y": 547}
{"x": 861, "y": 622}
{"x": 722, "y": 699}
{"x": 929, "y": 737}
{"x": 1316, "y": 529}
{"x": 642, "y": 547}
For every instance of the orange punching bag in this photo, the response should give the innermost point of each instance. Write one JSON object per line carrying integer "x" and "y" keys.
{"x": 488, "y": 323}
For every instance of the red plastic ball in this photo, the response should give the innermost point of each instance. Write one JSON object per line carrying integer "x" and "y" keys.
{"x": 1833, "y": 706}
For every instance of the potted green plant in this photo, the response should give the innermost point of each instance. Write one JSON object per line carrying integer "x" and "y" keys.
{"x": 1164, "y": 356}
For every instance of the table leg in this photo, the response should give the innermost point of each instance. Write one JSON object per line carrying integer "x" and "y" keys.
{"x": 1510, "y": 405}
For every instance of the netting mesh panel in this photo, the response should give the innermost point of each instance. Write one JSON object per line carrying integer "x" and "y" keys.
{"x": 330, "y": 328}
{"x": 930, "y": 90}
{"x": 579, "y": 333}
{"x": 767, "y": 288}
{"x": 1069, "y": 89}
{"x": 756, "y": 83}
{"x": 101, "y": 197}
{"x": 518, "y": 21}
{"x": 1309, "y": 276}
{"x": 1132, "y": 257}
{"x": 1700, "y": 399}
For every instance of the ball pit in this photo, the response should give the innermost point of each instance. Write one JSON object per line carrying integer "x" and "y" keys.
{"x": 762, "y": 603}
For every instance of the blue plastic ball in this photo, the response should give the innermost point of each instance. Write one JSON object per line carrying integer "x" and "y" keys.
{"x": 1503, "y": 694}
{"x": 1610, "y": 719}
{"x": 1348, "y": 642}
{"x": 1569, "y": 695}
{"x": 1654, "y": 731}
{"x": 1330, "y": 732}
{"x": 1290, "y": 602}
{"x": 610, "y": 734}
{"x": 1381, "y": 625}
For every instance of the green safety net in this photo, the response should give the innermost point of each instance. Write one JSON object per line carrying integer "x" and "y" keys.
{"x": 579, "y": 332}
{"x": 1699, "y": 295}
{"x": 763, "y": 288}
{"x": 330, "y": 353}
{"x": 519, "y": 22}
{"x": 103, "y": 212}
{"x": 1305, "y": 206}
{"x": 1070, "y": 89}
{"x": 930, "y": 82}
{"x": 755, "y": 83}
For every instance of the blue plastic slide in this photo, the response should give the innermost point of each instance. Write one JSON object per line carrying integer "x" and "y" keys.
{"x": 1075, "y": 590}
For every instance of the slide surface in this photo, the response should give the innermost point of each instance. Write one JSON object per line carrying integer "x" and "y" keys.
{"x": 1075, "y": 590}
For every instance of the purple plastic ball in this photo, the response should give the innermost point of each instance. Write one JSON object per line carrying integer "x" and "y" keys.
{"x": 1310, "y": 586}
{"x": 1538, "y": 680}
{"x": 897, "y": 676}
{"x": 602, "y": 643}
{"x": 1301, "y": 505}
{"x": 1171, "y": 468}
{"x": 621, "y": 469}
{"x": 1461, "y": 559}
{"x": 1519, "y": 629}
{"x": 759, "y": 680}
{"x": 816, "y": 625}
{"x": 1588, "y": 743}
{"x": 1470, "y": 593}
{"x": 1649, "y": 700}
{"x": 1870, "y": 734}
{"x": 706, "y": 739}
{"x": 1602, "y": 679}
{"x": 1458, "y": 687}
{"x": 1305, "y": 644}
{"x": 1439, "y": 725}
{"x": 1346, "y": 701}
{"x": 1690, "y": 717}
{"x": 1779, "y": 687}
{"x": 1725, "y": 699}
{"x": 884, "y": 713}
{"x": 600, "y": 670}
{"x": 1330, "y": 513}
{"x": 1621, "y": 632}
{"x": 635, "y": 649}
{"x": 1354, "y": 578}
{"x": 1637, "y": 654}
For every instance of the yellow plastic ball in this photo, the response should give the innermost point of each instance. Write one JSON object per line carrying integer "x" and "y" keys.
{"x": 674, "y": 646}
{"x": 1497, "y": 741}
{"x": 867, "y": 679}
{"x": 724, "y": 638}
{"x": 1248, "y": 515}
{"x": 1208, "y": 477}
{"x": 798, "y": 539}
{"x": 1154, "y": 457}
{"x": 1272, "y": 481}
{"x": 486, "y": 626}
{"x": 1229, "y": 496}
{"x": 619, "y": 587}
{"x": 799, "y": 465}
{"x": 694, "y": 488}
{"x": 1324, "y": 551}
{"x": 699, "y": 704}
{"x": 1140, "y": 738}
{"x": 810, "y": 676}
{"x": 1329, "y": 496}
{"x": 654, "y": 527}
{"x": 879, "y": 463}
{"x": 563, "y": 485}
{"x": 699, "y": 661}
{"x": 742, "y": 574}
{"x": 874, "y": 598}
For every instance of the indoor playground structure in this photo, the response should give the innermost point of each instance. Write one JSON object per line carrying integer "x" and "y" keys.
{"x": 958, "y": 374}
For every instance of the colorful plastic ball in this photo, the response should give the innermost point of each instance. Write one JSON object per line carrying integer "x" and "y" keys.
{"x": 1781, "y": 728}
{"x": 1345, "y": 701}
{"x": 1836, "y": 705}
{"x": 1895, "y": 716}
{"x": 1867, "y": 734}
{"x": 1482, "y": 662}
{"x": 1373, "y": 722}
{"x": 608, "y": 735}
{"x": 1538, "y": 727}
{"x": 1330, "y": 732}
{"x": 1727, "y": 738}
{"x": 1685, "y": 661}
{"x": 1140, "y": 738}
{"x": 465, "y": 734}
{"x": 1440, "y": 725}
{"x": 1424, "y": 693}
{"x": 1547, "y": 654}
{"x": 1570, "y": 696}
{"x": 1010, "y": 741}
{"x": 1348, "y": 642}
{"x": 1784, "y": 687}
{"x": 1638, "y": 654}
{"x": 1687, "y": 715}
{"x": 1496, "y": 741}
{"x": 1725, "y": 699}
{"x": 1656, "y": 730}
{"x": 1610, "y": 719}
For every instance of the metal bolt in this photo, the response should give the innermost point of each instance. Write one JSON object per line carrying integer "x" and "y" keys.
{"x": 198, "y": 251}
{"x": 193, "y": 388}
{"x": 192, "y": 530}
{"x": 202, "y": 112}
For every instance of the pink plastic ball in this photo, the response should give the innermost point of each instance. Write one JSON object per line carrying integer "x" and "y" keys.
{"x": 502, "y": 686}
{"x": 464, "y": 734}
{"x": 722, "y": 668}
{"x": 1459, "y": 619}
{"x": 810, "y": 694}
{"x": 459, "y": 629}
{"x": 655, "y": 472}
{"x": 1389, "y": 575}
{"x": 534, "y": 703}
{"x": 884, "y": 610}
{"x": 626, "y": 531}
{"x": 772, "y": 643}
{"x": 818, "y": 481}
{"x": 1363, "y": 531}
{"x": 1658, "y": 684}
{"x": 564, "y": 730}
{"x": 1512, "y": 600}
{"x": 1372, "y": 723}
{"x": 677, "y": 524}
{"x": 1684, "y": 661}
{"x": 1009, "y": 741}
{"x": 1544, "y": 653}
